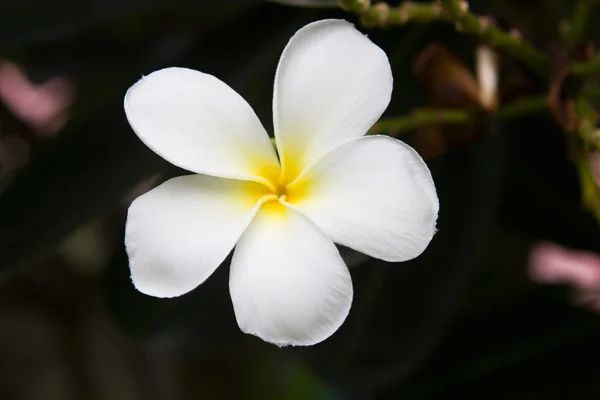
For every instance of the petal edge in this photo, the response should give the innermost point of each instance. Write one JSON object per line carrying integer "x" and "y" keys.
{"x": 178, "y": 233}
{"x": 288, "y": 283}
{"x": 198, "y": 123}
{"x": 374, "y": 194}
{"x": 332, "y": 84}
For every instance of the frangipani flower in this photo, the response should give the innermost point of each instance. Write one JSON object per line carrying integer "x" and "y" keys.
{"x": 288, "y": 283}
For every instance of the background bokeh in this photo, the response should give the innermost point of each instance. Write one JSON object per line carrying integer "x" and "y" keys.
{"x": 503, "y": 304}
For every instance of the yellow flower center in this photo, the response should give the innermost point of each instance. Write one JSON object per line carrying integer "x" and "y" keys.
{"x": 278, "y": 185}
{"x": 275, "y": 191}
{"x": 280, "y": 191}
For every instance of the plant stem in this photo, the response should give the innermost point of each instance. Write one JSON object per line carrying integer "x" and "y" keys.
{"x": 579, "y": 20}
{"x": 456, "y": 11}
{"x": 384, "y": 15}
{"x": 586, "y": 69}
{"x": 420, "y": 118}
{"x": 427, "y": 117}
{"x": 487, "y": 31}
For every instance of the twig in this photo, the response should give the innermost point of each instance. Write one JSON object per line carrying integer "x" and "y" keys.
{"x": 427, "y": 117}
{"x": 587, "y": 69}
{"x": 580, "y": 19}
{"x": 582, "y": 146}
{"x": 487, "y": 31}
{"x": 457, "y": 12}
{"x": 383, "y": 15}
{"x": 453, "y": 11}
{"x": 420, "y": 118}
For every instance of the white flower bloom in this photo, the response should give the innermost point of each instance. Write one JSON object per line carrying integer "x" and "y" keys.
{"x": 288, "y": 283}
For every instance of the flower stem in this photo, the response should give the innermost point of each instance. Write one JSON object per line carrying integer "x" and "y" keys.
{"x": 427, "y": 117}
{"x": 456, "y": 11}
{"x": 487, "y": 31}
{"x": 420, "y": 118}
{"x": 383, "y": 15}
{"x": 586, "y": 69}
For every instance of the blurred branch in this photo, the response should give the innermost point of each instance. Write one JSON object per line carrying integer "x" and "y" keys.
{"x": 580, "y": 19}
{"x": 420, "y": 118}
{"x": 383, "y": 15}
{"x": 584, "y": 153}
{"x": 586, "y": 69}
{"x": 487, "y": 31}
{"x": 456, "y": 11}
{"x": 427, "y": 117}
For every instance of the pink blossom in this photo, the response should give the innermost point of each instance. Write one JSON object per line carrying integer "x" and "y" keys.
{"x": 42, "y": 107}
{"x": 550, "y": 263}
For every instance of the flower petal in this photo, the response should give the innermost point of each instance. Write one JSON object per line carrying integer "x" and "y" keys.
{"x": 374, "y": 194}
{"x": 288, "y": 283}
{"x": 332, "y": 84}
{"x": 178, "y": 233}
{"x": 196, "y": 122}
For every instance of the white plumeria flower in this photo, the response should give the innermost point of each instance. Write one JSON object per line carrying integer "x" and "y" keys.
{"x": 288, "y": 283}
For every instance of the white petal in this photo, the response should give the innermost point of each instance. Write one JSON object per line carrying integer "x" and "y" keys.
{"x": 332, "y": 84}
{"x": 374, "y": 194}
{"x": 197, "y": 122}
{"x": 178, "y": 233}
{"x": 288, "y": 283}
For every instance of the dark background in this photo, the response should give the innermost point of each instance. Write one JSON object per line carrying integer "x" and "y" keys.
{"x": 461, "y": 321}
